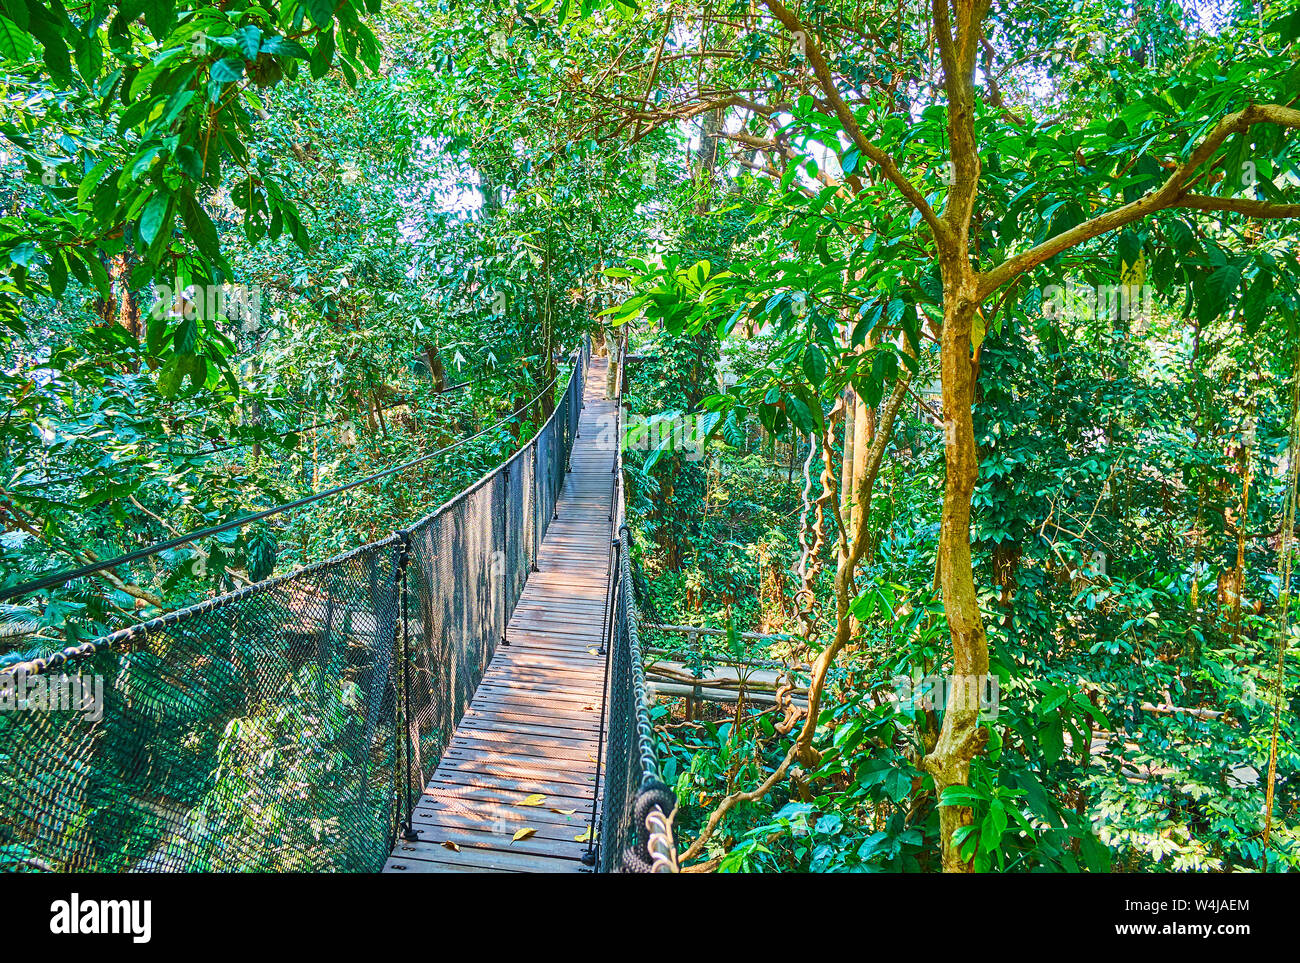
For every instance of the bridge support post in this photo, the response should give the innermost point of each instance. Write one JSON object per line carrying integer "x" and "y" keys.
{"x": 532, "y": 565}
{"x": 611, "y": 589}
{"x": 612, "y": 582}
{"x": 409, "y": 832}
{"x": 507, "y": 581}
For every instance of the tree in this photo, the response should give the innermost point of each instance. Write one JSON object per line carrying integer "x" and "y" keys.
{"x": 943, "y": 143}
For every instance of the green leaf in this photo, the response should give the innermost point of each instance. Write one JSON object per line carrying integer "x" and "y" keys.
{"x": 187, "y": 336}
{"x": 155, "y": 212}
{"x": 959, "y": 796}
{"x": 977, "y": 331}
{"x": 800, "y": 414}
{"x": 58, "y": 273}
{"x": 814, "y": 365}
{"x": 284, "y": 47}
{"x": 227, "y": 70}
{"x": 321, "y": 11}
{"x": 852, "y": 157}
{"x": 994, "y": 825}
{"x": 202, "y": 232}
{"x": 22, "y": 254}
{"x": 98, "y": 273}
{"x": 1255, "y": 305}
{"x": 1095, "y": 854}
{"x": 322, "y": 56}
{"x": 1051, "y": 738}
{"x": 190, "y": 161}
{"x": 15, "y": 43}
{"x": 160, "y": 17}
{"x": 1129, "y": 247}
{"x": 89, "y": 56}
{"x": 1217, "y": 290}
{"x": 92, "y": 179}
{"x": 249, "y": 40}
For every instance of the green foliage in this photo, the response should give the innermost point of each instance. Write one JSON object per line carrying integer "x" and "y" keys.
{"x": 438, "y": 194}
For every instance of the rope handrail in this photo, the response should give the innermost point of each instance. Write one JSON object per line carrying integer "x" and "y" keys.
{"x": 445, "y": 506}
{"x": 35, "y": 666}
{"x": 59, "y": 578}
{"x": 719, "y": 633}
{"x": 404, "y": 400}
{"x": 637, "y": 822}
{"x": 275, "y": 433}
{"x": 87, "y": 649}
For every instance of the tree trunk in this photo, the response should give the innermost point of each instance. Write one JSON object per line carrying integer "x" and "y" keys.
{"x": 255, "y": 410}
{"x": 615, "y": 363}
{"x": 1238, "y": 575}
{"x": 848, "y": 463}
{"x": 960, "y": 736}
{"x": 120, "y": 307}
{"x": 437, "y": 372}
{"x": 1006, "y": 565}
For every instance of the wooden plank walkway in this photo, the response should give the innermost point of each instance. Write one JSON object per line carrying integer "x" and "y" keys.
{"x": 533, "y": 727}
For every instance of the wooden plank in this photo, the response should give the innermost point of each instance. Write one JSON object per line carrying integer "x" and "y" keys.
{"x": 567, "y": 813}
{"x": 488, "y": 797}
{"x": 507, "y": 728}
{"x": 487, "y": 832}
{"x": 569, "y": 698}
{"x": 471, "y": 780}
{"x": 564, "y": 691}
{"x": 507, "y": 712}
{"x": 512, "y": 745}
{"x": 524, "y": 772}
{"x": 543, "y": 704}
{"x": 499, "y": 830}
{"x": 550, "y": 654}
{"x": 409, "y": 856}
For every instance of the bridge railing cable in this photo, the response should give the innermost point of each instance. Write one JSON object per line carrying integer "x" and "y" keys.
{"x": 636, "y": 824}
{"x": 61, "y": 578}
{"x": 287, "y": 726}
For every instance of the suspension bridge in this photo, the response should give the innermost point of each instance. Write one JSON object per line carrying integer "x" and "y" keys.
{"x": 465, "y": 695}
{"x": 532, "y": 732}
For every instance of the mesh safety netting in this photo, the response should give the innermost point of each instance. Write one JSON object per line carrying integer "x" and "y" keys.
{"x": 252, "y": 732}
{"x": 636, "y": 833}
{"x": 632, "y": 781}
{"x": 283, "y": 727}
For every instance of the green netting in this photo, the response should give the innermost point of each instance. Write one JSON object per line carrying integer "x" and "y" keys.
{"x": 252, "y": 732}
{"x": 273, "y": 728}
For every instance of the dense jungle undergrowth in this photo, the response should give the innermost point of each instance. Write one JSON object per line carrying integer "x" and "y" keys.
{"x": 958, "y": 344}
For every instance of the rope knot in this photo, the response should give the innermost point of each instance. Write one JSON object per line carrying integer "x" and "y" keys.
{"x": 636, "y": 858}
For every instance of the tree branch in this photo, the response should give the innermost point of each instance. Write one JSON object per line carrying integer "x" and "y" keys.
{"x": 850, "y": 123}
{"x": 1169, "y": 194}
{"x": 1238, "y": 205}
